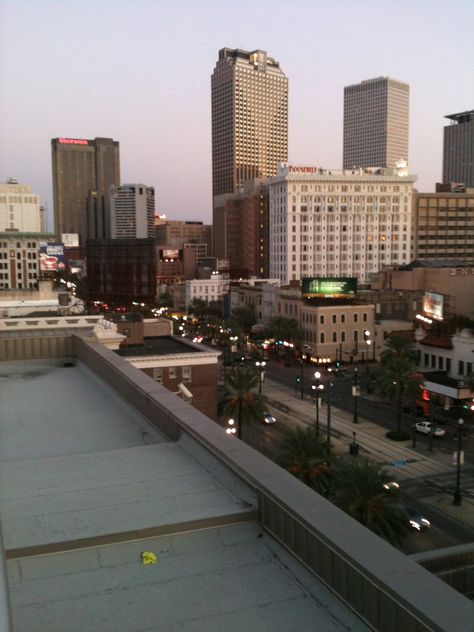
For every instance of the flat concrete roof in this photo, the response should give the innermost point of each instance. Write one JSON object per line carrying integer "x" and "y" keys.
{"x": 86, "y": 485}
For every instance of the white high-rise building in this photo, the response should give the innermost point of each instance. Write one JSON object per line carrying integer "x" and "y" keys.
{"x": 338, "y": 223}
{"x": 132, "y": 210}
{"x": 19, "y": 208}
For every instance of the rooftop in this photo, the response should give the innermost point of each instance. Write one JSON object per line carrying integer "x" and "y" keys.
{"x": 162, "y": 345}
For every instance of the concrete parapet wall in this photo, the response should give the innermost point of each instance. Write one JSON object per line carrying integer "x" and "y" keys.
{"x": 388, "y": 590}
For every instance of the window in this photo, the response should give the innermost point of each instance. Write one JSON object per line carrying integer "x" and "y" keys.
{"x": 343, "y": 336}
{"x": 186, "y": 373}
{"x": 461, "y": 367}
{"x": 364, "y": 317}
{"x": 158, "y": 375}
{"x": 440, "y": 363}
{"x": 343, "y": 318}
{"x": 334, "y": 336}
{"x": 356, "y": 335}
{"x": 448, "y": 364}
{"x": 172, "y": 372}
{"x": 426, "y": 359}
{"x": 334, "y": 318}
{"x": 321, "y": 337}
{"x": 433, "y": 362}
{"x": 356, "y": 317}
{"x": 321, "y": 320}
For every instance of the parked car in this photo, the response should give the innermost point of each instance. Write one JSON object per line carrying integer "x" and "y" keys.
{"x": 426, "y": 427}
{"x": 268, "y": 418}
{"x": 417, "y": 521}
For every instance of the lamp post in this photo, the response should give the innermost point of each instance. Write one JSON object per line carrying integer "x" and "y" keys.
{"x": 317, "y": 387}
{"x": 368, "y": 343}
{"x": 233, "y": 348}
{"x": 231, "y": 429}
{"x": 328, "y": 421}
{"x": 355, "y": 395}
{"x": 261, "y": 373}
{"x": 457, "y": 493}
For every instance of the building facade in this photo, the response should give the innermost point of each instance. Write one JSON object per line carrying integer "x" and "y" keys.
{"x": 376, "y": 113}
{"x": 120, "y": 271}
{"x": 209, "y": 290}
{"x": 179, "y": 234}
{"x": 20, "y": 260}
{"x": 458, "y": 149}
{"x": 241, "y": 230}
{"x": 443, "y": 226}
{"x": 83, "y": 172}
{"x": 330, "y": 223}
{"x": 19, "y": 208}
{"x": 249, "y": 118}
{"x": 132, "y": 209}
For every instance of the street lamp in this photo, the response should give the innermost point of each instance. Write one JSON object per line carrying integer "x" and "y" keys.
{"x": 233, "y": 348}
{"x": 355, "y": 395}
{"x": 457, "y": 493}
{"x": 368, "y": 343}
{"x": 261, "y": 373}
{"x": 317, "y": 387}
{"x": 328, "y": 421}
{"x": 231, "y": 429}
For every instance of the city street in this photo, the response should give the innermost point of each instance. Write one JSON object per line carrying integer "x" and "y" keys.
{"x": 425, "y": 476}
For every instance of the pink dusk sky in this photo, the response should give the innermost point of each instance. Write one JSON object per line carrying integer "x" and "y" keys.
{"x": 139, "y": 72}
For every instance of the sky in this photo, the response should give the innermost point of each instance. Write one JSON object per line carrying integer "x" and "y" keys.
{"x": 139, "y": 72}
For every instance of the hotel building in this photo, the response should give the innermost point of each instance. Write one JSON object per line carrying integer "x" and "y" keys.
{"x": 332, "y": 223}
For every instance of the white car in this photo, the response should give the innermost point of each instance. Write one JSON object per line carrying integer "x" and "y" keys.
{"x": 426, "y": 427}
{"x": 268, "y": 418}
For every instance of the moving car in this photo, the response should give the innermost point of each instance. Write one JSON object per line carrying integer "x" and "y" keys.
{"x": 391, "y": 486}
{"x": 268, "y": 418}
{"x": 417, "y": 521}
{"x": 426, "y": 427}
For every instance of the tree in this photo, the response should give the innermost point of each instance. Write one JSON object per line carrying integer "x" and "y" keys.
{"x": 303, "y": 454}
{"x": 359, "y": 491}
{"x": 243, "y": 319}
{"x": 397, "y": 378}
{"x": 198, "y": 308}
{"x": 282, "y": 328}
{"x": 241, "y": 399}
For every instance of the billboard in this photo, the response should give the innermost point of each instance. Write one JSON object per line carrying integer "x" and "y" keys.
{"x": 433, "y": 304}
{"x": 338, "y": 287}
{"x": 70, "y": 240}
{"x": 51, "y": 257}
{"x": 168, "y": 254}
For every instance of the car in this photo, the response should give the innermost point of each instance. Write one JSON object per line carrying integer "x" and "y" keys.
{"x": 268, "y": 418}
{"x": 426, "y": 427}
{"x": 391, "y": 486}
{"x": 416, "y": 520}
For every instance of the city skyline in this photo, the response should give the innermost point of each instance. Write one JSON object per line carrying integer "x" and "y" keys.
{"x": 129, "y": 80}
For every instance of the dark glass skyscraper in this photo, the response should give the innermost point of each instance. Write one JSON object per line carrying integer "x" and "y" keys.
{"x": 458, "y": 150}
{"x": 83, "y": 171}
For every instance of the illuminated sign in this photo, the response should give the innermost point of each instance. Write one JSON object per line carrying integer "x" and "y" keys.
{"x": 433, "y": 305}
{"x": 170, "y": 254}
{"x": 73, "y": 141}
{"x": 292, "y": 169}
{"x": 51, "y": 257}
{"x": 338, "y": 287}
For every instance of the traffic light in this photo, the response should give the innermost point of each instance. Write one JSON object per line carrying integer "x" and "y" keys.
{"x": 337, "y": 364}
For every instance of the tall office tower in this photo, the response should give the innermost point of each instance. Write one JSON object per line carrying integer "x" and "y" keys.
{"x": 376, "y": 123}
{"x": 458, "y": 150}
{"x": 249, "y": 118}
{"x": 338, "y": 223}
{"x": 83, "y": 171}
{"x": 132, "y": 210}
{"x": 19, "y": 208}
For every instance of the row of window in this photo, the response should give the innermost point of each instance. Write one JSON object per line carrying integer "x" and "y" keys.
{"x": 172, "y": 373}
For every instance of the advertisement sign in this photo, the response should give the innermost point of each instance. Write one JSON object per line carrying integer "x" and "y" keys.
{"x": 338, "y": 287}
{"x": 169, "y": 254}
{"x": 433, "y": 305}
{"x": 70, "y": 240}
{"x": 51, "y": 257}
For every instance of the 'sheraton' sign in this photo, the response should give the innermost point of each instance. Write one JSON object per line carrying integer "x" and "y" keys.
{"x": 329, "y": 288}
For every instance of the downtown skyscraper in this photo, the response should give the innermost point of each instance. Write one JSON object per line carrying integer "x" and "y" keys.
{"x": 458, "y": 149}
{"x": 249, "y": 118}
{"x": 376, "y": 114}
{"x": 83, "y": 172}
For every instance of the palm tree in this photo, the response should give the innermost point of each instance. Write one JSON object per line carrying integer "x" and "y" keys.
{"x": 359, "y": 491}
{"x": 397, "y": 378}
{"x": 303, "y": 454}
{"x": 241, "y": 399}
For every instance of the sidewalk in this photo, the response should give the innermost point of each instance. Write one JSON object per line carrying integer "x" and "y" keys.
{"x": 398, "y": 457}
